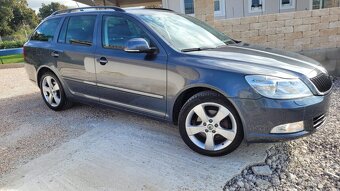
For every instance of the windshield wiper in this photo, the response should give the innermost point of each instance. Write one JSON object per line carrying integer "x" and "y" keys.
{"x": 236, "y": 41}
{"x": 196, "y": 49}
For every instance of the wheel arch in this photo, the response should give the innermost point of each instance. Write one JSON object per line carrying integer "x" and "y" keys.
{"x": 43, "y": 69}
{"x": 187, "y": 93}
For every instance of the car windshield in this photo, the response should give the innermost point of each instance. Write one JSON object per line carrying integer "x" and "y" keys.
{"x": 185, "y": 33}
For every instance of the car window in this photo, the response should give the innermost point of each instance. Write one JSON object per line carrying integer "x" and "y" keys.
{"x": 116, "y": 31}
{"x": 62, "y": 35}
{"x": 79, "y": 30}
{"x": 184, "y": 32}
{"x": 46, "y": 30}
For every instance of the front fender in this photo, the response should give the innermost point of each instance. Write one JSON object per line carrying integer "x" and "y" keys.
{"x": 182, "y": 79}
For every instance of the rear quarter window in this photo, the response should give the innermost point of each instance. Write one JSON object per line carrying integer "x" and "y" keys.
{"x": 46, "y": 31}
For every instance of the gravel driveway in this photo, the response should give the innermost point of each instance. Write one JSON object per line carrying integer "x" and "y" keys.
{"x": 89, "y": 148}
{"x": 310, "y": 163}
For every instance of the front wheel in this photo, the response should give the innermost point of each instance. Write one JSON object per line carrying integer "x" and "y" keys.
{"x": 210, "y": 125}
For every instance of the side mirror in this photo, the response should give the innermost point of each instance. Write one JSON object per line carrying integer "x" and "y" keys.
{"x": 139, "y": 45}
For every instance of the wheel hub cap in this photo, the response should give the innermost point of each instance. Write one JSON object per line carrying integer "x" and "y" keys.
{"x": 210, "y": 127}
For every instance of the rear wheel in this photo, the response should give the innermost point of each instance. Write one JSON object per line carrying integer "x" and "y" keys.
{"x": 209, "y": 124}
{"x": 53, "y": 92}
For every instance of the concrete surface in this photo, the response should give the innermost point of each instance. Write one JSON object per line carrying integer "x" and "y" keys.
{"x": 118, "y": 150}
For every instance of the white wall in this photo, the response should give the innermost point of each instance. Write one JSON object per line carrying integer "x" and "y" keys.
{"x": 234, "y": 8}
{"x": 239, "y": 8}
{"x": 173, "y": 5}
{"x": 303, "y": 4}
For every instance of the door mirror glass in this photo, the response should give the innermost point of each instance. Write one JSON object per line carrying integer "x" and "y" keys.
{"x": 138, "y": 45}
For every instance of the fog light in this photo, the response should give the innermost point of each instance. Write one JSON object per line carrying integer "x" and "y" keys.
{"x": 288, "y": 128}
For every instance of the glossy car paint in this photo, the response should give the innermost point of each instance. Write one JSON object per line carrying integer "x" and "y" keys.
{"x": 151, "y": 84}
{"x": 76, "y": 65}
{"x": 142, "y": 77}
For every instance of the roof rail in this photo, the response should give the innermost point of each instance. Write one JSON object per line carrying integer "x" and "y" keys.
{"x": 159, "y": 8}
{"x": 80, "y": 9}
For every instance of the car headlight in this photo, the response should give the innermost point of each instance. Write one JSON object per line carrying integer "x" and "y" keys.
{"x": 278, "y": 88}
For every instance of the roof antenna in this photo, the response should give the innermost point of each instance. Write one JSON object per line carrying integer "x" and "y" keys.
{"x": 77, "y": 3}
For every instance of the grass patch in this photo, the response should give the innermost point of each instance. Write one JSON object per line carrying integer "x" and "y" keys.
{"x": 15, "y": 58}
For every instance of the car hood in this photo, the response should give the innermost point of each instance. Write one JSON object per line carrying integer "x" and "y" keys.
{"x": 260, "y": 60}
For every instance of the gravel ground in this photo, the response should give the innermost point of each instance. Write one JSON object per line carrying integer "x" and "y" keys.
{"x": 310, "y": 163}
{"x": 27, "y": 133}
{"x": 91, "y": 148}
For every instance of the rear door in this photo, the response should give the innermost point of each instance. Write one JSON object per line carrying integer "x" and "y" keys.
{"x": 39, "y": 48}
{"x": 74, "y": 52}
{"x": 135, "y": 81}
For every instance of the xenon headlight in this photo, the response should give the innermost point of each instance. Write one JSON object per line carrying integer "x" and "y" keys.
{"x": 278, "y": 88}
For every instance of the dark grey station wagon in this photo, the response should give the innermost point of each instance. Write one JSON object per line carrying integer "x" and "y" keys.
{"x": 174, "y": 67}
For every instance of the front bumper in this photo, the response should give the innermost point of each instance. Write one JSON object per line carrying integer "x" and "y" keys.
{"x": 261, "y": 115}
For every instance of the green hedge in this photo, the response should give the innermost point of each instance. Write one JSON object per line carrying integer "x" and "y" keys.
{"x": 11, "y": 44}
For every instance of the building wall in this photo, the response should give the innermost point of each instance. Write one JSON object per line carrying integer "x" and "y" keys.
{"x": 173, "y": 5}
{"x": 294, "y": 31}
{"x": 234, "y": 8}
{"x": 271, "y": 6}
{"x": 303, "y": 5}
{"x": 204, "y": 10}
{"x": 332, "y": 3}
{"x": 240, "y": 8}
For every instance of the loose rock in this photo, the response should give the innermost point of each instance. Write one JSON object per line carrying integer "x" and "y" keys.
{"x": 262, "y": 184}
{"x": 262, "y": 170}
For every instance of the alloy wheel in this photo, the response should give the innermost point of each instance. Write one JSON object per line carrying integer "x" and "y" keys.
{"x": 211, "y": 126}
{"x": 51, "y": 91}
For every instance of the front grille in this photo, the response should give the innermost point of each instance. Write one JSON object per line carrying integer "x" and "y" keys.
{"x": 319, "y": 120}
{"x": 322, "y": 82}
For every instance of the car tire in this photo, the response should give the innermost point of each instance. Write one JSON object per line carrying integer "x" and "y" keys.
{"x": 53, "y": 92}
{"x": 210, "y": 125}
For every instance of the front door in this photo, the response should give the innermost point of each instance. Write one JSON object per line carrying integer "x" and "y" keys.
{"x": 134, "y": 81}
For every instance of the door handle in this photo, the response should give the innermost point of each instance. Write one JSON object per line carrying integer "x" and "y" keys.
{"x": 103, "y": 61}
{"x": 55, "y": 54}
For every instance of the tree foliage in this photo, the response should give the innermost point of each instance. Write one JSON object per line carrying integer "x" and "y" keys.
{"x": 14, "y": 14}
{"x": 47, "y": 9}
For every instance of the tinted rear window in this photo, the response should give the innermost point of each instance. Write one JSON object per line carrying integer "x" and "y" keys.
{"x": 78, "y": 30}
{"x": 46, "y": 30}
